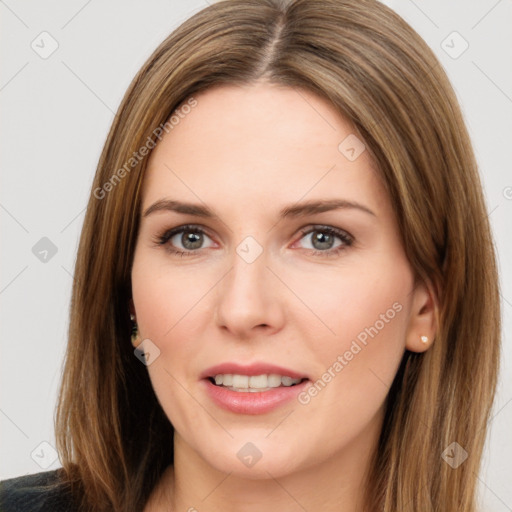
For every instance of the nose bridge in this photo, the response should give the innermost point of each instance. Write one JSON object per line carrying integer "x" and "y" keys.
{"x": 246, "y": 298}
{"x": 247, "y": 277}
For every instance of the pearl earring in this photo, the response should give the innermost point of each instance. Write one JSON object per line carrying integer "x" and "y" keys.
{"x": 424, "y": 339}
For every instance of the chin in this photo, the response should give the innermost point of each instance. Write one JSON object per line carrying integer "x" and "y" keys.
{"x": 255, "y": 460}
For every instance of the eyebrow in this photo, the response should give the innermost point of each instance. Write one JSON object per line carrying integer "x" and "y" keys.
{"x": 292, "y": 211}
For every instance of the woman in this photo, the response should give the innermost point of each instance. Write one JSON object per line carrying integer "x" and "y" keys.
{"x": 287, "y": 222}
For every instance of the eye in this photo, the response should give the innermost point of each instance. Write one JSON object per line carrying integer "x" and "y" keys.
{"x": 322, "y": 240}
{"x": 191, "y": 239}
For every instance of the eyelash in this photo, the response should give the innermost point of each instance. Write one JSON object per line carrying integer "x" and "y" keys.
{"x": 347, "y": 239}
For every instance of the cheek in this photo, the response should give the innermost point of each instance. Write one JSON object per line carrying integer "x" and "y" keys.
{"x": 166, "y": 298}
{"x": 168, "y": 305}
{"x": 368, "y": 312}
{"x": 173, "y": 312}
{"x": 374, "y": 308}
{"x": 354, "y": 303}
{"x": 354, "y": 369}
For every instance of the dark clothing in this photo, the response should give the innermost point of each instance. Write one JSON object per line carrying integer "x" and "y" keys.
{"x": 31, "y": 493}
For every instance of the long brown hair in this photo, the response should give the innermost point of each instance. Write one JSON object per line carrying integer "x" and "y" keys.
{"x": 113, "y": 437}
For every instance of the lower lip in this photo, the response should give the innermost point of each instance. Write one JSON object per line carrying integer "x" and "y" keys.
{"x": 245, "y": 402}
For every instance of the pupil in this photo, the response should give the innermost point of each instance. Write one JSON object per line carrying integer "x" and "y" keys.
{"x": 192, "y": 240}
{"x": 320, "y": 237}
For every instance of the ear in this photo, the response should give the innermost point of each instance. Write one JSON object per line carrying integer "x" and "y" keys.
{"x": 423, "y": 325}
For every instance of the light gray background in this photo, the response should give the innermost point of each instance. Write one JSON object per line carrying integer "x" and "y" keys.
{"x": 55, "y": 116}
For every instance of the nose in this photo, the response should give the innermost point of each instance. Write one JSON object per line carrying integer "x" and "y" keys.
{"x": 249, "y": 298}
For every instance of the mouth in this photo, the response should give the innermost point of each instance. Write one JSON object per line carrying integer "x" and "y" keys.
{"x": 254, "y": 383}
{"x": 257, "y": 388}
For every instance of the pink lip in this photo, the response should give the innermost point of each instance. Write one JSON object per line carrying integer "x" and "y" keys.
{"x": 247, "y": 402}
{"x": 252, "y": 403}
{"x": 252, "y": 369}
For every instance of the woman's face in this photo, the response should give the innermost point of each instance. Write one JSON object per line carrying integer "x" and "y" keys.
{"x": 267, "y": 285}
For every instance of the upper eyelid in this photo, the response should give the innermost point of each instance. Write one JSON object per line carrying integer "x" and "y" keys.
{"x": 326, "y": 227}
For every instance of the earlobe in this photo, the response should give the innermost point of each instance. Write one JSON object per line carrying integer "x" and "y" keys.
{"x": 422, "y": 326}
{"x": 135, "y": 329}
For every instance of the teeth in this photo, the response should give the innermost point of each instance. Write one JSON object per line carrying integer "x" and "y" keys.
{"x": 287, "y": 381}
{"x": 254, "y": 383}
{"x": 273, "y": 380}
{"x": 240, "y": 381}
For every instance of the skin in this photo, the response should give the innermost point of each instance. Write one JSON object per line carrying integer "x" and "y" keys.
{"x": 247, "y": 152}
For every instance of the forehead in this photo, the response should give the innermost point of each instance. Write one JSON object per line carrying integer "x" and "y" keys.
{"x": 255, "y": 142}
{"x": 261, "y": 117}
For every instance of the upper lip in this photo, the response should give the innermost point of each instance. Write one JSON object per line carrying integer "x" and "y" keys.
{"x": 251, "y": 369}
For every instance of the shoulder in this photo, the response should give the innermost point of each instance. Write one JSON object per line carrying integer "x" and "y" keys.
{"x": 39, "y": 492}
